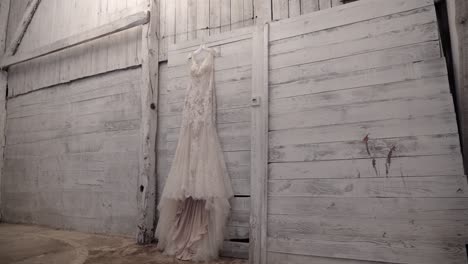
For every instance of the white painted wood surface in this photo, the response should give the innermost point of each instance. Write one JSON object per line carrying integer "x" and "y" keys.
{"x": 118, "y": 51}
{"x": 113, "y": 27}
{"x": 364, "y": 153}
{"x": 75, "y": 149}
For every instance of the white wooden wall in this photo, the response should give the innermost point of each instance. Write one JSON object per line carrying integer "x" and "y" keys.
{"x": 73, "y": 148}
{"x": 282, "y": 9}
{"x": 71, "y": 156}
{"x": 233, "y": 90}
{"x": 183, "y": 20}
{"x": 365, "y": 163}
{"x": 57, "y": 19}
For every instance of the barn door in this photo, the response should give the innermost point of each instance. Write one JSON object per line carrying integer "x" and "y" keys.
{"x": 364, "y": 155}
{"x": 233, "y": 90}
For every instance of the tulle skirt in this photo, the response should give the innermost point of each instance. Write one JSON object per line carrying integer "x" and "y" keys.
{"x": 194, "y": 206}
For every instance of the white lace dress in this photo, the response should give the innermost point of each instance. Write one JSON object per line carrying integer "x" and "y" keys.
{"x": 195, "y": 201}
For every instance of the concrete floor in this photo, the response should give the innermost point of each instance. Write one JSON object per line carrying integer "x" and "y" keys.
{"x": 27, "y": 244}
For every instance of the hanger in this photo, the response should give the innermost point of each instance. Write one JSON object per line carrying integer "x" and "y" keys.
{"x": 203, "y": 48}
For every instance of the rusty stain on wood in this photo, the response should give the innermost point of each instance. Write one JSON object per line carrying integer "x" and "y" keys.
{"x": 389, "y": 160}
{"x": 374, "y": 162}
{"x": 366, "y": 141}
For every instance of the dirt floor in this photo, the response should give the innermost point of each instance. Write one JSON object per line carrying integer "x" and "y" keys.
{"x": 26, "y": 244}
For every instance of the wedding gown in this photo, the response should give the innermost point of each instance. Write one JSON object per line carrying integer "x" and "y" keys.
{"x": 195, "y": 201}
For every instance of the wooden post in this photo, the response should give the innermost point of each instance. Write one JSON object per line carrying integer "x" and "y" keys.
{"x": 259, "y": 141}
{"x": 23, "y": 26}
{"x": 149, "y": 105}
{"x": 259, "y": 136}
{"x": 4, "y": 12}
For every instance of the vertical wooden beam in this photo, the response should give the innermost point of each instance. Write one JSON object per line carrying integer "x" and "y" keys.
{"x": 4, "y": 12}
{"x": 259, "y": 142}
{"x": 259, "y": 136}
{"x": 23, "y": 26}
{"x": 458, "y": 15}
{"x": 149, "y": 105}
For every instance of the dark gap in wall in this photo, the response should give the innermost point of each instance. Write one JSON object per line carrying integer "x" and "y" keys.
{"x": 348, "y": 1}
{"x": 444, "y": 33}
{"x": 241, "y": 195}
{"x": 241, "y": 240}
{"x": 466, "y": 251}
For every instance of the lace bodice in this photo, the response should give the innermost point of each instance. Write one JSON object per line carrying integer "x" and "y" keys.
{"x": 200, "y": 101}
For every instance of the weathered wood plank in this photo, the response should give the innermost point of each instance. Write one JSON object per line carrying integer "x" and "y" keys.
{"x": 259, "y": 142}
{"x": 280, "y": 9}
{"x": 448, "y": 165}
{"x": 396, "y": 187}
{"x": 248, "y": 13}
{"x": 235, "y": 250}
{"x": 415, "y": 34}
{"x": 203, "y": 18}
{"x": 192, "y": 19}
{"x": 309, "y": 6}
{"x": 341, "y": 15}
{"x": 236, "y": 232}
{"x": 352, "y": 32}
{"x": 171, "y": 21}
{"x": 360, "y": 78}
{"x": 3, "y": 88}
{"x": 225, "y": 14}
{"x": 237, "y": 10}
{"x": 215, "y": 17}
{"x": 444, "y": 144}
{"x": 163, "y": 30}
{"x": 296, "y": 226}
{"x": 443, "y": 123}
{"x": 280, "y": 258}
{"x": 388, "y": 57}
{"x": 377, "y": 249}
{"x": 105, "y": 30}
{"x": 416, "y": 209}
{"x": 408, "y": 90}
{"x": 324, "y": 4}
{"x": 181, "y": 21}
{"x": 294, "y": 8}
{"x": 363, "y": 112}
{"x": 149, "y": 99}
